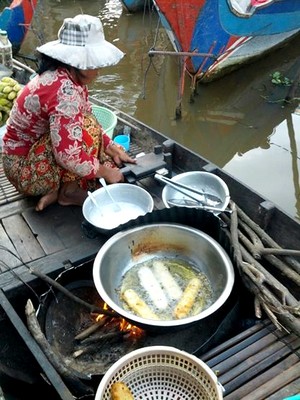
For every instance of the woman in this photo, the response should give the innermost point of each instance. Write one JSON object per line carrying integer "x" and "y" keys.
{"x": 54, "y": 147}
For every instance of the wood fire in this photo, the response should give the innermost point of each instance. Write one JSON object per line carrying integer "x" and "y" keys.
{"x": 105, "y": 330}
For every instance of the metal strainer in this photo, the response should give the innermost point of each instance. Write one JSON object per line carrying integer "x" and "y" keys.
{"x": 162, "y": 373}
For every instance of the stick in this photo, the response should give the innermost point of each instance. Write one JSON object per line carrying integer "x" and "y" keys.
{"x": 279, "y": 252}
{"x": 55, "y": 359}
{"x": 277, "y": 263}
{"x": 92, "y": 347}
{"x": 266, "y": 239}
{"x": 65, "y": 291}
{"x": 282, "y": 307}
{"x": 244, "y": 255}
{"x": 91, "y": 329}
{"x": 106, "y": 336}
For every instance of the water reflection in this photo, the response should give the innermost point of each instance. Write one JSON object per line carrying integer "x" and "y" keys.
{"x": 291, "y": 123}
{"x": 238, "y": 123}
{"x": 275, "y": 170}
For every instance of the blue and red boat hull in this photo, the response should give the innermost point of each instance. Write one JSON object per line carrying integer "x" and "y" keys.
{"x": 134, "y": 6}
{"x": 225, "y": 38}
{"x": 16, "y": 19}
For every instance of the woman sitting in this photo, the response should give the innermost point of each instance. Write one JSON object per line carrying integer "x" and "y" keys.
{"x": 54, "y": 147}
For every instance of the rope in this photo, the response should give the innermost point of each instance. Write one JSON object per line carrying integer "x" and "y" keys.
{"x": 150, "y": 63}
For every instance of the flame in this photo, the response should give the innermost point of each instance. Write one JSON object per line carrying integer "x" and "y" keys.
{"x": 134, "y": 331}
{"x": 99, "y": 317}
{"x": 130, "y": 330}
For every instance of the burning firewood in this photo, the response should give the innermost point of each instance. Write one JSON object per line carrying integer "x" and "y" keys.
{"x": 92, "y": 344}
{"x": 104, "y": 336}
{"x": 91, "y": 329}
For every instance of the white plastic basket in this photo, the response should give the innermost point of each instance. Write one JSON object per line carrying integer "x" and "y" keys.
{"x": 106, "y": 118}
{"x": 162, "y": 373}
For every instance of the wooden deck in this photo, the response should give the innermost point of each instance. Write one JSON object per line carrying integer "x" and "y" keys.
{"x": 50, "y": 241}
{"x": 259, "y": 363}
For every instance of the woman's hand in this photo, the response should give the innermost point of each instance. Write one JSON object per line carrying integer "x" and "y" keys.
{"x": 111, "y": 175}
{"x": 118, "y": 154}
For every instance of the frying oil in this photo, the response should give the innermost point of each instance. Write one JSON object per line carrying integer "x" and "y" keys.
{"x": 181, "y": 271}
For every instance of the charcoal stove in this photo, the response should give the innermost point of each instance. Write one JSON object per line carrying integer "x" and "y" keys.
{"x": 62, "y": 320}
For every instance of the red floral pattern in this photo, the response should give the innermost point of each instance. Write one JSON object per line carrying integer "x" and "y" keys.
{"x": 53, "y": 103}
{"x": 52, "y": 137}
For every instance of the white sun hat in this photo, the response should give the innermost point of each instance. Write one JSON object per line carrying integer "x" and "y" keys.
{"x": 81, "y": 43}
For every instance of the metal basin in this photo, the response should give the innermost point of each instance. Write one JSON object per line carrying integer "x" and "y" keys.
{"x": 207, "y": 182}
{"x": 126, "y": 249}
{"x": 132, "y": 201}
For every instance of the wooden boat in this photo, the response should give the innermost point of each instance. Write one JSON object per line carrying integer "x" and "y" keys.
{"x": 258, "y": 18}
{"x": 133, "y": 6}
{"x": 214, "y": 38}
{"x": 16, "y": 19}
{"x": 39, "y": 247}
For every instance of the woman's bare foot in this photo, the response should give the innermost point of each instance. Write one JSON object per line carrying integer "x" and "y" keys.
{"x": 46, "y": 200}
{"x": 71, "y": 194}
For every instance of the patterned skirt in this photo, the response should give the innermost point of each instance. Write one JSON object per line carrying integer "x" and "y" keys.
{"x": 38, "y": 173}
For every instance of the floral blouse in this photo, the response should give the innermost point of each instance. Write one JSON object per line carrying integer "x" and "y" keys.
{"x": 53, "y": 102}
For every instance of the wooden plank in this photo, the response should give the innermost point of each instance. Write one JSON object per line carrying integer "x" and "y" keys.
{"x": 237, "y": 343}
{"x": 291, "y": 389}
{"x": 266, "y": 382}
{"x": 50, "y": 265}
{"x": 246, "y": 352}
{"x": 252, "y": 358}
{"x": 16, "y": 207}
{"x": 23, "y": 239}
{"x": 42, "y": 225}
{"x": 258, "y": 364}
{"x": 56, "y": 228}
{"x": 7, "y": 252}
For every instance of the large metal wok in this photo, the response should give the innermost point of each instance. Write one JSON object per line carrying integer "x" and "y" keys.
{"x": 126, "y": 249}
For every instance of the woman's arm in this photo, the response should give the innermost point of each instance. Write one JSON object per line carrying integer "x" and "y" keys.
{"x": 118, "y": 154}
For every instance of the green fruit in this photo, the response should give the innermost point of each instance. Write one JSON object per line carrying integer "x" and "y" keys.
{"x": 17, "y": 87}
{"x": 5, "y": 102}
{"x": 9, "y": 81}
{"x": 5, "y": 109}
{"x": 7, "y": 89}
{"x": 12, "y": 95}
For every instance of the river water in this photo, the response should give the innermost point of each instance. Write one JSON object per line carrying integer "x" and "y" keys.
{"x": 239, "y": 122}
